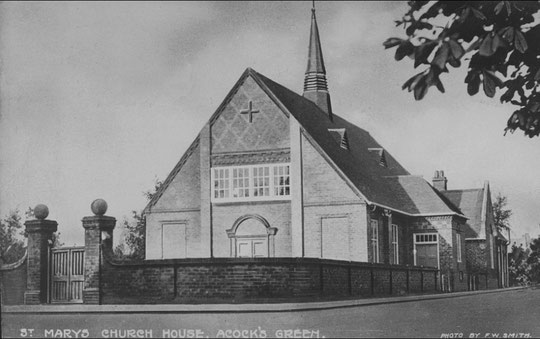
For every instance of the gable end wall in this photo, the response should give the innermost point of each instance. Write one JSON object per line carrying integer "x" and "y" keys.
{"x": 179, "y": 203}
{"x": 325, "y": 196}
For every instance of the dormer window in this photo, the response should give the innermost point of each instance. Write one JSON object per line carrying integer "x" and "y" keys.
{"x": 340, "y": 135}
{"x": 380, "y": 152}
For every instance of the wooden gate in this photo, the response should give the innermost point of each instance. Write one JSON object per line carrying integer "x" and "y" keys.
{"x": 67, "y": 275}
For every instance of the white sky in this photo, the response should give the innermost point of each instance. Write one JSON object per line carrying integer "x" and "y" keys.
{"x": 97, "y": 99}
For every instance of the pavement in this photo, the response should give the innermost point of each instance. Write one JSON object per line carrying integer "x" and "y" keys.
{"x": 237, "y": 308}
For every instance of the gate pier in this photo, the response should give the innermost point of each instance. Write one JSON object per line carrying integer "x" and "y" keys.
{"x": 40, "y": 233}
{"x": 98, "y": 231}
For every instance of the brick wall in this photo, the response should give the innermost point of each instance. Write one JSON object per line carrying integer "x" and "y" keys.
{"x": 322, "y": 184}
{"x": 13, "y": 282}
{"x": 478, "y": 265}
{"x": 253, "y": 280}
{"x": 184, "y": 190}
{"x": 181, "y": 201}
{"x": 453, "y": 274}
{"x": 232, "y": 131}
{"x": 325, "y": 196}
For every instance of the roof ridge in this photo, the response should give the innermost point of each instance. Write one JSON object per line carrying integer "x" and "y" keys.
{"x": 403, "y": 175}
{"x": 189, "y": 151}
{"x": 247, "y": 72}
{"x": 464, "y": 190}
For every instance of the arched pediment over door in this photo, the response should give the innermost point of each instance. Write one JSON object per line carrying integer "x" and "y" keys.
{"x": 251, "y": 237}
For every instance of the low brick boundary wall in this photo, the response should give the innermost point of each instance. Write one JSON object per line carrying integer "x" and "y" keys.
{"x": 13, "y": 282}
{"x": 244, "y": 280}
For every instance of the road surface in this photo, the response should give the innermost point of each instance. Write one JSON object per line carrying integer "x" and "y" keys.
{"x": 511, "y": 313}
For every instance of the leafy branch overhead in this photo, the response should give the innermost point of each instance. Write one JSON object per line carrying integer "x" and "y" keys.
{"x": 498, "y": 40}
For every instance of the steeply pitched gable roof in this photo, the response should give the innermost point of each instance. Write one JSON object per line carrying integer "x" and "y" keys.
{"x": 389, "y": 186}
{"x": 470, "y": 202}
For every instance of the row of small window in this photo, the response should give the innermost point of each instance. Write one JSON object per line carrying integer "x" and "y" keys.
{"x": 426, "y": 237}
{"x": 251, "y": 182}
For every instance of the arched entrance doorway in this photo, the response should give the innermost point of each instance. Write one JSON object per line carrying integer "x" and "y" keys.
{"x": 252, "y": 237}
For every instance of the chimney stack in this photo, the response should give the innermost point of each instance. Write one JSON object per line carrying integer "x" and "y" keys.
{"x": 440, "y": 181}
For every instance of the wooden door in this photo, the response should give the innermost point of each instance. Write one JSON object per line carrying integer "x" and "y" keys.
{"x": 252, "y": 247}
{"x": 67, "y": 275}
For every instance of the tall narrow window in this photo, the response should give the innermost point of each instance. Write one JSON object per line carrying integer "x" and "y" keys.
{"x": 240, "y": 182}
{"x": 221, "y": 183}
{"x": 281, "y": 180}
{"x": 261, "y": 181}
{"x": 491, "y": 250}
{"x": 458, "y": 246}
{"x": 375, "y": 240}
{"x": 395, "y": 244}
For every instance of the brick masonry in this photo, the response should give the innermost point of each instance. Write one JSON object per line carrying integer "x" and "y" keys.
{"x": 326, "y": 199}
{"x": 13, "y": 282}
{"x": 478, "y": 264}
{"x": 232, "y": 131}
{"x": 39, "y": 234}
{"x": 253, "y": 280}
{"x": 98, "y": 231}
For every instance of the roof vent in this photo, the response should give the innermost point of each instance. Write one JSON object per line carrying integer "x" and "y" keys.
{"x": 382, "y": 156}
{"x": 340, "y": 135}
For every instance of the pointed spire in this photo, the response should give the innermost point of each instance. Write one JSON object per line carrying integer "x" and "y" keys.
{"x": 315, "y": 84}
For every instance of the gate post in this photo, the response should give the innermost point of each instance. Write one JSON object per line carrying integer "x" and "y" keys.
{"x": 40, "y": 233}
{"x": 98, "y": 233}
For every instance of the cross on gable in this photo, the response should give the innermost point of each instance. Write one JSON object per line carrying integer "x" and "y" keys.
{"x": 250, "y": 111}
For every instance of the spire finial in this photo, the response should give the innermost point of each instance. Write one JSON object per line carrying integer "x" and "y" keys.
{"x": 315, "y": 85}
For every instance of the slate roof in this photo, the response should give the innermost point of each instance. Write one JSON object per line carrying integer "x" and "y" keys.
{"x": 470, "y": 202}
{"x": 391, "y": 186}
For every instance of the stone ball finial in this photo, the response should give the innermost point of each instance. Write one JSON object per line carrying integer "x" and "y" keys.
{"x": 99, "y": 207}
{"x": 41, "y": 211}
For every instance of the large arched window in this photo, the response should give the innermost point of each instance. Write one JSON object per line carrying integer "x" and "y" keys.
{"x": 251, "y": 237}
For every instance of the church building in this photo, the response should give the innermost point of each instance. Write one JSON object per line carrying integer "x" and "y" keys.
{"x": 277, "y": 174}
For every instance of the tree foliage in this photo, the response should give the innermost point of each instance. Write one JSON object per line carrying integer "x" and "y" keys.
{"x": 501, "y": 214}
{"x": 524, "y": 263}
{"x": 518, "y": 268}
{"x": 133, "y": 242}
{"x": 534, "y": 260}
{"x": 12, "y": 245}
{"x": 13, "y": 236}
{"x": 499, "y": 41}
{"x": 132, "y": 245}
